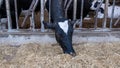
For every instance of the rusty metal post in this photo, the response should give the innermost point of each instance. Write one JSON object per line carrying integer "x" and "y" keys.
{"x": 42, "y": 15}
{"x": 112, "y": 15}
{"x": 8, "y": 14}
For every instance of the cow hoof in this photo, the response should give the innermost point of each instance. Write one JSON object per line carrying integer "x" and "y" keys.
{"x": 72, "y": 54}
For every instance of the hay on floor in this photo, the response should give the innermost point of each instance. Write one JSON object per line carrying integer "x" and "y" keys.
{"x": 89, "y": 55}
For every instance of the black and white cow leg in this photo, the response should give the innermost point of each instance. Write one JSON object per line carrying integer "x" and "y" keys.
{"x": 62, "y": 27}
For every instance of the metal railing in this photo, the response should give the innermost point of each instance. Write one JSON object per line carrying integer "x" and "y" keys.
{"x": 42, "y": 10}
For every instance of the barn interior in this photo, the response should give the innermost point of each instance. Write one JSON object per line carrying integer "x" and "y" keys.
{"x": 94, "y": 49}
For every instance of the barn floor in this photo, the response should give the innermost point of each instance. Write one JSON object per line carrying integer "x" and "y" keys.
{"x": 33, "y": 55}
{"x": 34, "y": 50}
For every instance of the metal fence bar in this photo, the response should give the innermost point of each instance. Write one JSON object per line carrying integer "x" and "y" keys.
{"x": 67, "y": 6}
{"x": 8, "y": 14}
{"x": 33, "y": 15}
{"x": 112, "y": 15}
{"x": 74, "y": 9}
{"x": 117, "y": 21}
{"x": 65, "y": 3}
{"x": 49, "y": 11}
{"x": 96, "y": 19}
{"x": 35, "y": 5}
{"x": 28, "y": 12}
{"x": 42, "y": 15}
{"x": 81, "y": 15}
{"x": 32, "y": 21}
{"x": 97, "y": 9}
{"x": 105, "y": 14}
{"x": 16, "y": 14}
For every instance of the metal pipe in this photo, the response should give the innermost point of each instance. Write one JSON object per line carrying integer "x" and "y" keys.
{"x": 112, "y": 14}
{"x": 65, "y": 3}
{"x": 28, "y": 12}
{"x": 117, "y": 21}
{"x": 35, "y": 5}
{"x": 42, "y": 15}
{"x": 105, "y": 14}
{"x": 97, "y": 9}
{"x": 67, "y": 6}
{"x": 81, "y": 15}
{"x": 74, "y": 9}
{"x": 33, "y": 20}
{"x": 33, "y": 14}
{"x": 8, "y": 14}
{"x": 16, "y": 14}
{"x": 49, "y": 11}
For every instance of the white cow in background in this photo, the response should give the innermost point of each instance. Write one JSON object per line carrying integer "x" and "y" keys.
{"x": 102, "y": 9}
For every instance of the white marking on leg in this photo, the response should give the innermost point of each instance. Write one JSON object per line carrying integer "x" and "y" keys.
{"x": 64, "y": 26}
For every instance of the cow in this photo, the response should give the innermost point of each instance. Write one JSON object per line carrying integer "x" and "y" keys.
{"x": 95, "y": 4}
{"x": 63, "y": 28}
{"x": 101, "y": 10}
{"x": 110, "y": 7}
{"x": 86, "y": 9}
{"x": 60, "y": 24}
{"x": 89, "y": 5}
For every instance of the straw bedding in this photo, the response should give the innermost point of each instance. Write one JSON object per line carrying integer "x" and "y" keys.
{"x": 33, "y": 55}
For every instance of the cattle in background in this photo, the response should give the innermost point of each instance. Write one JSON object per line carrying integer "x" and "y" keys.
{"x": 102, "y": 9}
{"x": 86, "y": 9}
{"x": 95, "y": 4}
{"x": 116, "y": 11}
{"x": 21, "y": 5}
